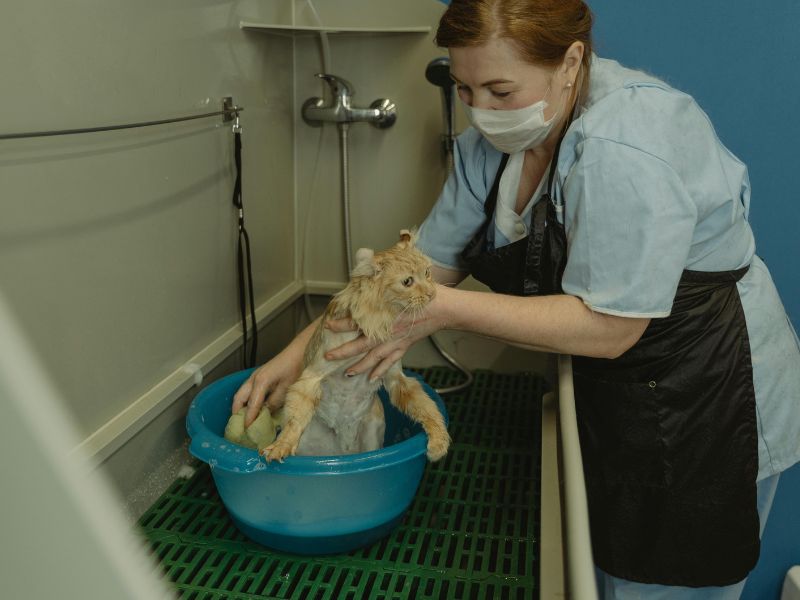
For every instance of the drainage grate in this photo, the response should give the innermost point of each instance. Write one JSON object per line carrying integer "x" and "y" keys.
{"x": 471, "y": 532}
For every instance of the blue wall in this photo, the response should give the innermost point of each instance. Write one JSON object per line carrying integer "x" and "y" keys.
{"x": 740, "y": 62}
{"x": 780, "y": 545}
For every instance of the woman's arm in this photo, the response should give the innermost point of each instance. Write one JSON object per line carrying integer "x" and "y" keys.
{"x": 273, "y": 377}
{"x": 560, "y": 323}
{"x": 448, "y": 277}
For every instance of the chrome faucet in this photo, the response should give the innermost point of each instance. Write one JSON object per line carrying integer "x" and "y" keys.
{"x": 382, "y": 113}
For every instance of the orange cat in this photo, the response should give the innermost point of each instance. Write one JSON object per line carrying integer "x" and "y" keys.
{"x": 328, "y": 413}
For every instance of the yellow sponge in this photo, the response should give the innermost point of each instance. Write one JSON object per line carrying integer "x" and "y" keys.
{"x": 261, "y": 433}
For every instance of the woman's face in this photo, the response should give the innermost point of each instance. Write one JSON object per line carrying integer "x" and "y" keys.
{"x": 494, "y": 76}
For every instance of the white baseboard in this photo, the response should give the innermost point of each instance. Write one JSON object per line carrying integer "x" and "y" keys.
{"x": 115, "y": 433}
{"x": 324, "y": 288}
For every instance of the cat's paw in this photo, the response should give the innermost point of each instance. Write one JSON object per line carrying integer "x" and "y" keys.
{"x": 277, "y": 451}
{"x": 438, "y": 444}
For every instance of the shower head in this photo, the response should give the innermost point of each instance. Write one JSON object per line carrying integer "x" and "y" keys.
{"x": 438, "y": 72}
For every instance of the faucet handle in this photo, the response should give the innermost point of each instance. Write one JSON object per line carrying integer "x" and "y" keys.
{"x": 340, "y": 88}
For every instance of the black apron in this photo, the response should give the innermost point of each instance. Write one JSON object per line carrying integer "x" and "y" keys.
{"x": 667, "y": 430}
{"x": 530, "y": 266}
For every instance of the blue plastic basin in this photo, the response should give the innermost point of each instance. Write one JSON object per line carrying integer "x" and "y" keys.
{"x": 310, "y": 504}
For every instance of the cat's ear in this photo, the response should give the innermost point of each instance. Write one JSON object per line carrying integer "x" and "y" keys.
{"x": 366, "y": 265}
{"x": 408, "y": 237}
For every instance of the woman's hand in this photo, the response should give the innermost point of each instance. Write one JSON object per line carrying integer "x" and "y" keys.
{"x": 269, "y": 382}
{"x": 381, "y": 356}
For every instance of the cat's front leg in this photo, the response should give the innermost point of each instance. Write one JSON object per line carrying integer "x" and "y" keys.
{"x": 407, "y": 395}
{"x": 302, "y": 399}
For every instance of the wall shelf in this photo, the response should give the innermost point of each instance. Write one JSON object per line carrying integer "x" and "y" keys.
{"x": 289, "y": 30}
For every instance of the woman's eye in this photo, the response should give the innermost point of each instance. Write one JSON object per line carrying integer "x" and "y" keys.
{"x": 501, "y": 94}
{"x": 408, "y": 281}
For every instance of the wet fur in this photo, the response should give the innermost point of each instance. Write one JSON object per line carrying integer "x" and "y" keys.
{"x": 328, "y": 413}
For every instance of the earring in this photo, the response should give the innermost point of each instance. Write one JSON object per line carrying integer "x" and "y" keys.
{"x": 569, "y": 84}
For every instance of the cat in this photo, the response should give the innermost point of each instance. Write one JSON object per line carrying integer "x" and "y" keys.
{"x": 328, "y": 413}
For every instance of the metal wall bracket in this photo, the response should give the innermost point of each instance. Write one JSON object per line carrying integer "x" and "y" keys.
{"x": 227, "y": 109}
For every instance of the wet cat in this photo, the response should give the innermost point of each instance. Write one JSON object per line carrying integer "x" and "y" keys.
{"x": 328, "y": 413}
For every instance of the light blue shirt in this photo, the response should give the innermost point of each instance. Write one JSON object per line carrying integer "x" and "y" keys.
{"x": 648, "y": 191}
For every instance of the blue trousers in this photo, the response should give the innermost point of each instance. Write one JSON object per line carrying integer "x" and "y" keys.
{"x": 614, "y": 588}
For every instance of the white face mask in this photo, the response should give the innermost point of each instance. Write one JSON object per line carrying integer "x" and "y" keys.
{"x": 513, "y": 131}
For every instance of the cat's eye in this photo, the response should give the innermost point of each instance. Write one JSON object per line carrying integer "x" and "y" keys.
{"x": 428, "y": 272}
{"x": 408, "y": 281}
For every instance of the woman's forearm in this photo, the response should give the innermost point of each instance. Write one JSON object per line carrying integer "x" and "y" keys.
{"x": 297, "y": 347}
{"x": 560, "y": 323}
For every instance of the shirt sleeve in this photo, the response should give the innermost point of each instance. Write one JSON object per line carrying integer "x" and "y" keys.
{"x": 458, "y": 213}
{"x": 630, "y": 223}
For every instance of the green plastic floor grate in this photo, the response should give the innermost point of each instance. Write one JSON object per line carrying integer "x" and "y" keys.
{"x": 471, "y": 532}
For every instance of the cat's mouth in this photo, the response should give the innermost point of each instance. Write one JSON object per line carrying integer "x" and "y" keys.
{"x": 419, "y": 301}
{"x": 414, "y": 306}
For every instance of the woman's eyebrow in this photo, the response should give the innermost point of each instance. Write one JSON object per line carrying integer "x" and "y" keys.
{"x": 485, "y": 83}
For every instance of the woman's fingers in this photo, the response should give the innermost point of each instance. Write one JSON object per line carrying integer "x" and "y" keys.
{"x": 384, "y": 365}
{"x": 340, "y": 325}
{"x": 378, "y": 360}
{"x": 251, "y": 394}
{"x": 277, "y": 398}
{"x": 349, "y": 349}
{"x": 242, "y": 395}
{"x": 261, "y": 384}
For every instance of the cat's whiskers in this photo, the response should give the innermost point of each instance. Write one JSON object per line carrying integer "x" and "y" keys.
{"x": 413, "y": 313}
{"x": 413, "y": 322}
{"x": 406, "y": 307}
{"x": 415, "y": 308}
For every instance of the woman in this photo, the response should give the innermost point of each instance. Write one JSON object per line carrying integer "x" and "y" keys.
{"x": 599, "y": 205}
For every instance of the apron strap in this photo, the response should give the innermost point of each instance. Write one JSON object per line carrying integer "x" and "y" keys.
{"x": 491, "y": 199}
{"x": 713, "y": 277}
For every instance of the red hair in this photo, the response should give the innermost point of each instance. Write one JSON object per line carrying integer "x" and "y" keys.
{"x": 542, "y": 30}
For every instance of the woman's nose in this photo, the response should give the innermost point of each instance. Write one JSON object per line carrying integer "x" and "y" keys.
{"x": 483, "y": 101}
